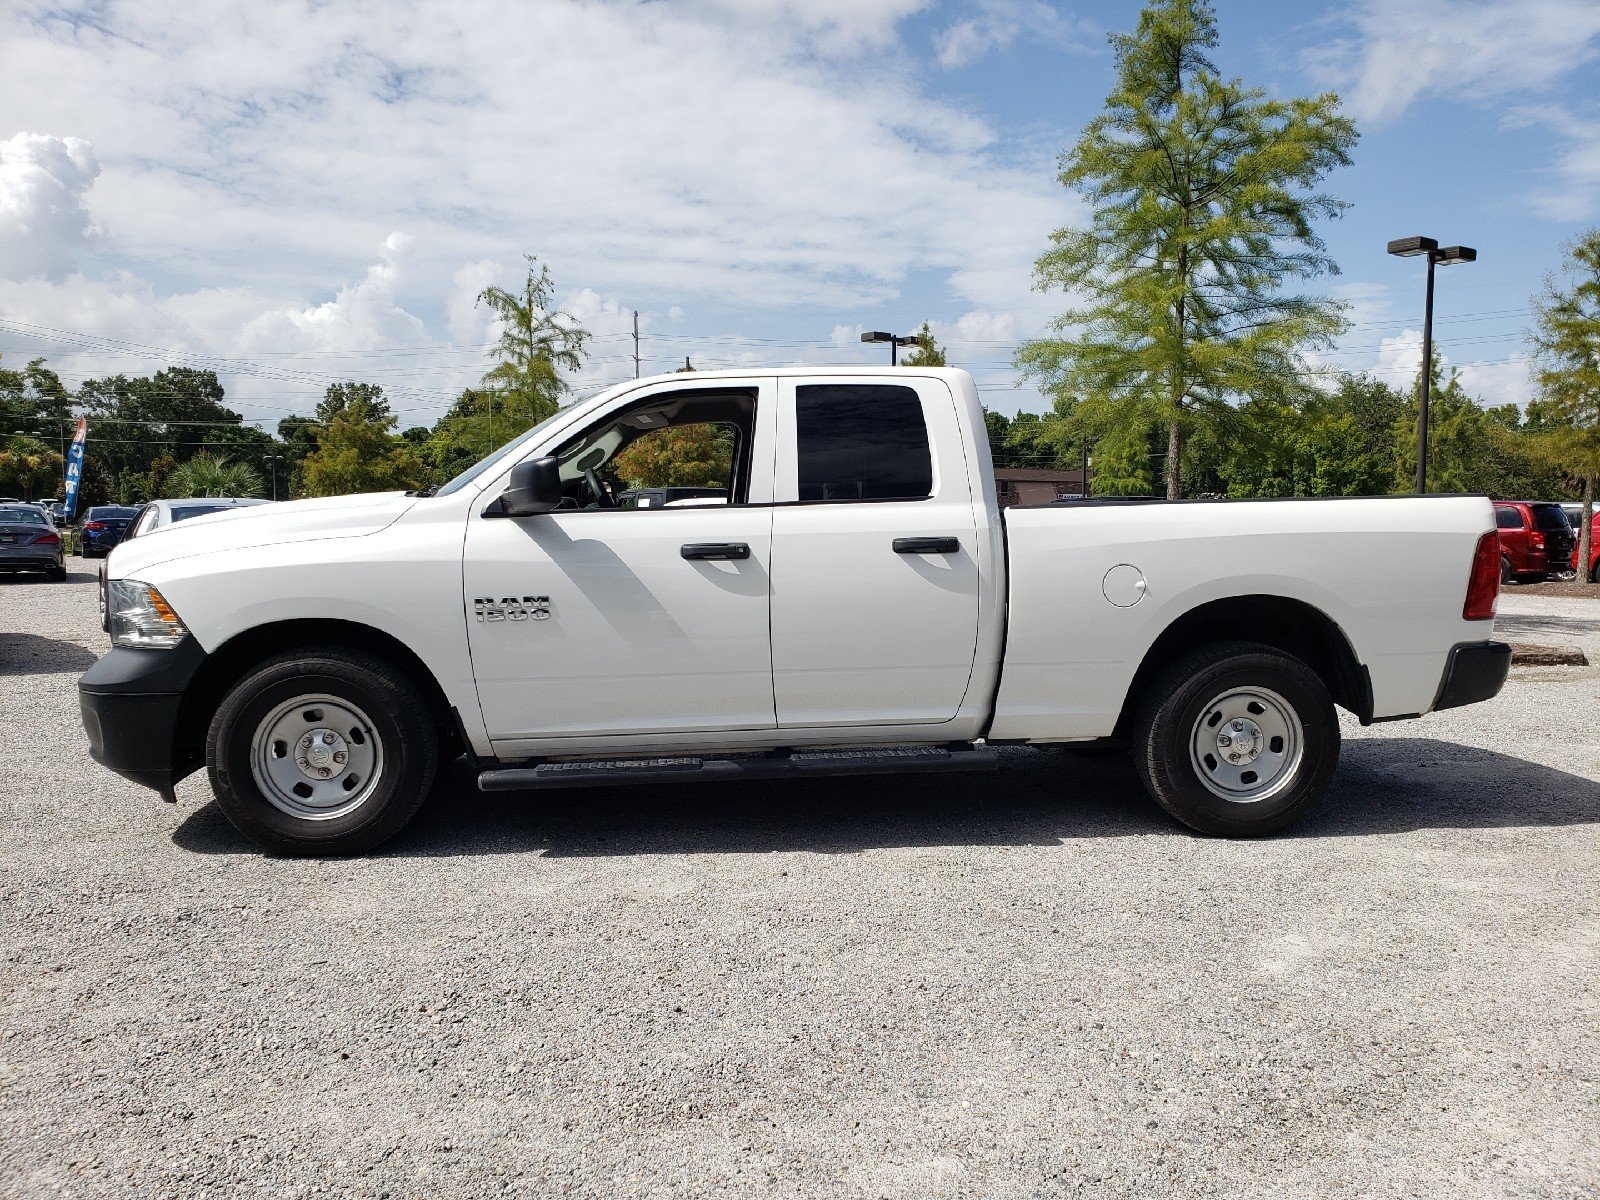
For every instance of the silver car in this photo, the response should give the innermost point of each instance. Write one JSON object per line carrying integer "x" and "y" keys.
{"x": 29, "y": 542}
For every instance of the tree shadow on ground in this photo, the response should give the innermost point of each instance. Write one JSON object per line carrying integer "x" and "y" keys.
{"x": 1384, "y": 786}
{"x": 30, "y": 654}
{"x": 1519, "y": 626}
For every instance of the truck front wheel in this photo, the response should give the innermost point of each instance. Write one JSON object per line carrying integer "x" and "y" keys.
{"x": 322, "y": 751}
{"x": 1237, "y": 739}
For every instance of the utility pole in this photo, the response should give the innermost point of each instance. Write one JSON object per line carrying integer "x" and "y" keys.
{"x": 636, "y": 343}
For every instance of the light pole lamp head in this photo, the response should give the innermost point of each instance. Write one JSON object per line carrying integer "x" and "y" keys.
{"x": 1411, "y": 246}
{"x": 877, "y": 335}
{"x": 1455, "y": 254}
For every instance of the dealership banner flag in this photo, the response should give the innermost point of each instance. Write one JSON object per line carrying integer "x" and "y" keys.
{"x": 75, "y": 468}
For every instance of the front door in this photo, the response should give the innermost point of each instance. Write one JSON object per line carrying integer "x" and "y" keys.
{"x": 597, "y": 619}
{"x": 874, "y": 555}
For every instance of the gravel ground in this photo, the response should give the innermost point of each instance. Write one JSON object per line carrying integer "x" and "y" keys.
{"x": 1030, "y": 984}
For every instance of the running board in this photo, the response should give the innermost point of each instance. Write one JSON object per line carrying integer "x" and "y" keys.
{"x": 611, "y": 772}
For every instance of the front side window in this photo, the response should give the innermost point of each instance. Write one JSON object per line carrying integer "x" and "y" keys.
{"x": 862, "y": 442}
{"x": 688, "y": 447}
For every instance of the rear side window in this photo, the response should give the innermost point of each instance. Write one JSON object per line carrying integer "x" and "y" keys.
{"x": 1507, "y": 518}
{"x": 862, "y": 442}
{"x": 1550, "y": 516}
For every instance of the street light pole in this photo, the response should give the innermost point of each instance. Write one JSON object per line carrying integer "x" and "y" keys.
{"x": 1411, "y": 247}
{"x": 895, "y": 340}
{"x": 1427, "y": 384}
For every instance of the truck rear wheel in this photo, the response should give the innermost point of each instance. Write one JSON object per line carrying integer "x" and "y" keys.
{"x": 1237, "y": 739}
{"x": 322, "y": 751}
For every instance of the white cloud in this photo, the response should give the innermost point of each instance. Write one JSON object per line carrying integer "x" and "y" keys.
{"x": 43, "y": 218}
{"x": 1572, "y": 192}
{"x": 644, "y": 156}
{"x": 996, "y": 24}
{"x": 1473, "y": 50}
{"x": 1502, "y": 381}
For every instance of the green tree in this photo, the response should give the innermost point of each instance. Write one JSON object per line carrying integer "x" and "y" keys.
{"x": 34, "y": 402}
{"x": 29, "y": 467}
{"x": 356, "y": 447}
{"x": 203, "y": 475}
{"x": 684, "y": 456}
{"x": 1204, "y": 200}
{"x": 1566, "y": 340}
{"x": 537, "y": 342}
{"x": 926, "y": 352}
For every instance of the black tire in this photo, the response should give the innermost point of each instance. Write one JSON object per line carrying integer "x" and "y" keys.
{"x": 57, "y": 575}
{"x": 1172, "y": 754}
{"x": 1506, "y": 573}
{"x": 397, "y": 729}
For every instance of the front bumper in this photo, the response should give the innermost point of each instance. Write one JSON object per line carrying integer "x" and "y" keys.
{"x": 131, "y": 701}
{"x": 1475, "y": 671}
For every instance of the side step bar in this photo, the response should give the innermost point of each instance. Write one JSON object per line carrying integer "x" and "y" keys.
{"x": 790, "y": 765}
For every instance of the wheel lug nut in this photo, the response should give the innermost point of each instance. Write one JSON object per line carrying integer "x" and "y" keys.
{"x": 1225, "y": 740}
{"x": 1238, "y": 725}
{"x": 339, "y": 756}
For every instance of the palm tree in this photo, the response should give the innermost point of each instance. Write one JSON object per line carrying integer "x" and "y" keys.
{"x": 203, "y": 475}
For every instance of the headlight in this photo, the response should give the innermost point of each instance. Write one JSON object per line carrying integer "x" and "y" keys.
{"x": 140, "y": 616}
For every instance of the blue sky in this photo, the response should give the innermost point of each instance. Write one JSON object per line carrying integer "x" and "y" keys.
{"x": 294, "y": 193}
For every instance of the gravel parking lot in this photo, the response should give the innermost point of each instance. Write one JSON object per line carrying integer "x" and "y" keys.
{"x": 1029, "y": 984}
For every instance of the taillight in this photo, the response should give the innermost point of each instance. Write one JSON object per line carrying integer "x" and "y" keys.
{"x": 94, "y": 526}
{"x": 1483, "y": 584}
{"x": 1536, "y": 540}
{"x": 47, "y": 539}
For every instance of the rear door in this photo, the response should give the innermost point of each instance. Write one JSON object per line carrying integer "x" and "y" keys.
{"x": 874, "y": 554}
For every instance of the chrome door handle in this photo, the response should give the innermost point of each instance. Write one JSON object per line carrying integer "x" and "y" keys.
{"x": 715, "y": 550}
{"x": 927, "y": 545}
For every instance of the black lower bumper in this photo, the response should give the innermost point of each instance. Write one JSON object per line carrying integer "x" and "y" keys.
{"x": 131, "y": 700}
{"x": 1476, "y": 671}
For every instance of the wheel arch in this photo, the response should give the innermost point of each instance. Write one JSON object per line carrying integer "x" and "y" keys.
{"x": 1286, "y": 624}
{"x": 229, "y": 663}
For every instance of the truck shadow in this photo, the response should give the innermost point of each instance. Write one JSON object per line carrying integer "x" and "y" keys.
{"x": 1384, "y": 786}
{"x": 30, "y": 654}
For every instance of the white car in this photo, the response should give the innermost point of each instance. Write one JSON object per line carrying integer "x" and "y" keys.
{"x": 858, "y": 603}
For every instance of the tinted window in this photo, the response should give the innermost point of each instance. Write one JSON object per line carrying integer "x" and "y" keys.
{"x": 1550, "y": 516}
{"x": 1508, "y": 518}
{"x": 197, "y": 510}
{"x": 862, "y": 442}
{"x": 23, "y": 516}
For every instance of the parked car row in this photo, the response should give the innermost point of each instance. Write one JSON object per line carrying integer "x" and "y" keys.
{"x": 1536, "y": 541}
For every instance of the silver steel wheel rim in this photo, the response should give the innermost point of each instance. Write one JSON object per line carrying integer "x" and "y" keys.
{"x": 1246, "y": 745}
{"x": 316, "y": 757}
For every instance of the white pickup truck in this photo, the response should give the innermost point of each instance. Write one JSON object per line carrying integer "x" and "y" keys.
{"x": 852, "y": 599}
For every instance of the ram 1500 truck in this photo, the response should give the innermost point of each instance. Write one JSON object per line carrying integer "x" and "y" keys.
{"x": 850, "y": 598}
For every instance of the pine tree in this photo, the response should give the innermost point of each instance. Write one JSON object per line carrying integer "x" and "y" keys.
{"x": 925, "y": 352}
{"x": 1566, "y": 339}
{"x": 1203, "y": 197}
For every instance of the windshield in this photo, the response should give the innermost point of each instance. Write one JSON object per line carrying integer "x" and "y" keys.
{"x": 22, "y": 516}
{"x": 485, "y": 465}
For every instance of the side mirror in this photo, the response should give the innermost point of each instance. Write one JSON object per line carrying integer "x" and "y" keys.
{"x": 535, "y": 488}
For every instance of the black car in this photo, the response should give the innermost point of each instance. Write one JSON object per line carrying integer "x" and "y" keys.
{"x": 103, "y": 527}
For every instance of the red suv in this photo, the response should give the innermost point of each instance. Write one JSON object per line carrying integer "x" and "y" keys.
{"x": 1535, "y": 540}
